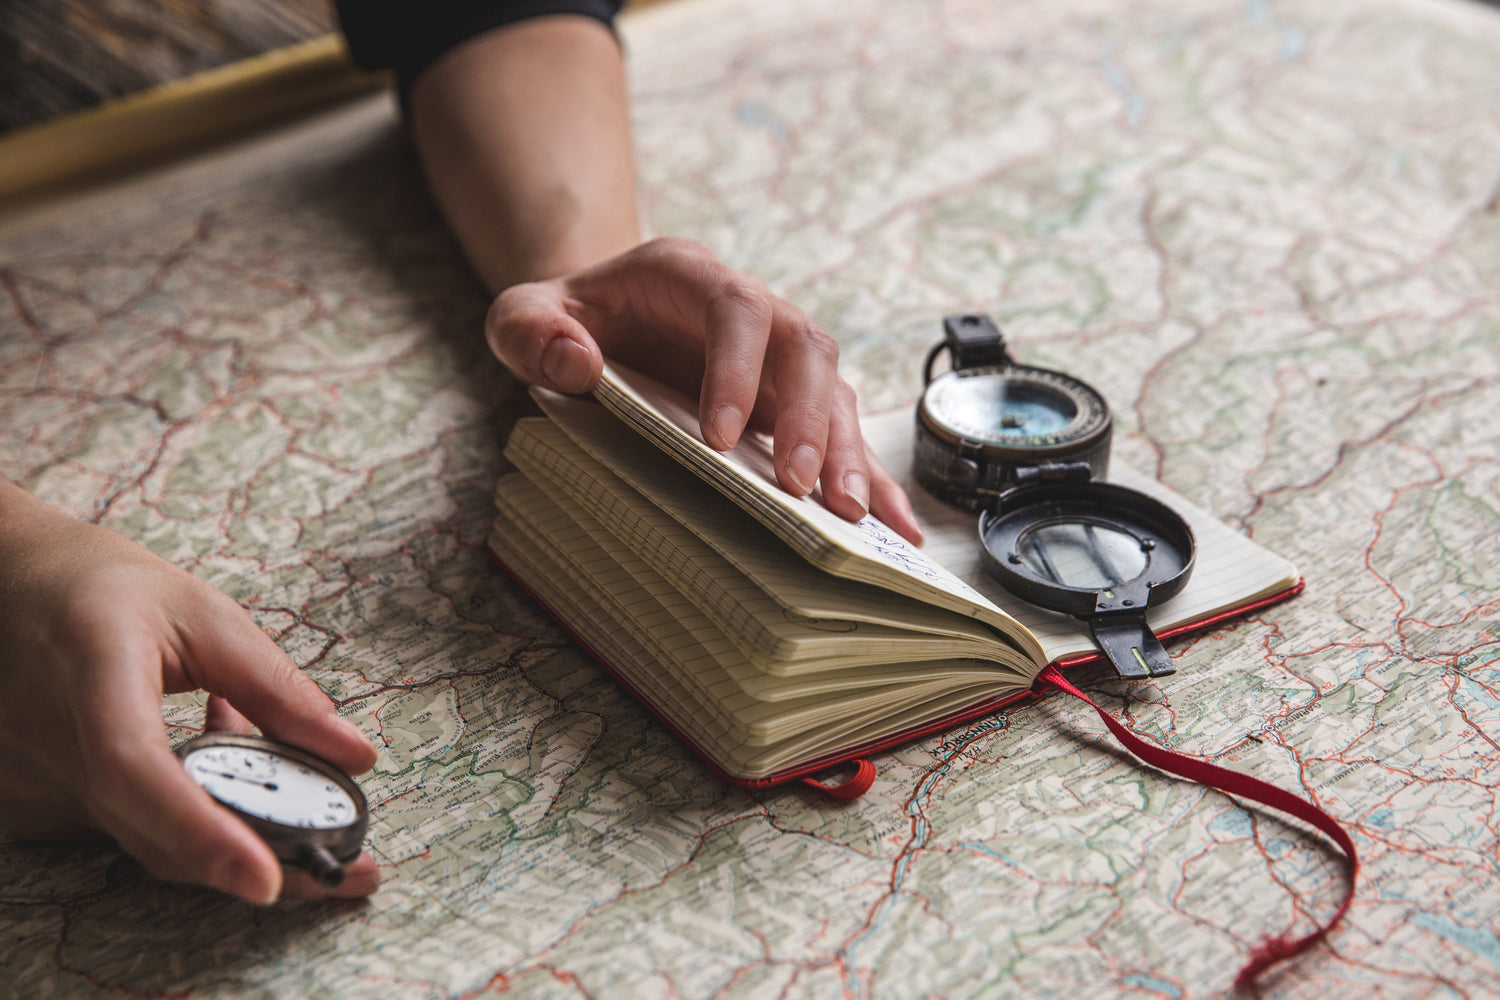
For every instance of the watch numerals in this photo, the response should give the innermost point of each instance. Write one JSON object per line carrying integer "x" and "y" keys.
{"x": 288, "y": 796}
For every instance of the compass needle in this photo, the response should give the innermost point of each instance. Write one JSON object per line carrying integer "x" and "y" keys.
{"x": 1100, "y": 555}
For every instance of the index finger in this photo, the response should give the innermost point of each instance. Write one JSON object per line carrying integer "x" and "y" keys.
{"x": 803, "y": 365}
{"x": 739, "y": 320}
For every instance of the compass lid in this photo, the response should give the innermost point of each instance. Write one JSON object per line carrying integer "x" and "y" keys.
{"x": 1097, "y": 551}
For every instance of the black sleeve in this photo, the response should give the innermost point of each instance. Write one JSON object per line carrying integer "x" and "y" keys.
{"x": 406, "y": 35}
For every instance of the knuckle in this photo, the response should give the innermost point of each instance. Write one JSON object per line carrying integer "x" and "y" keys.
{"x": 679, "y": 247}
{"x": 809, "y": 416}
{"x": 746, "y": 293}
{"x": 699, "y": 260}
{"x": 816, "y": 341}
{"x": 517, "y": 332}
{"x": 495, "y": 322}
{"x": 501, "y": 308}
{"x": 107, "y": 765}
{"x": 503, "y": 314}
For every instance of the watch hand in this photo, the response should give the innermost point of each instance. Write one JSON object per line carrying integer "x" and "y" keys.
{"x": 269, "y": 786}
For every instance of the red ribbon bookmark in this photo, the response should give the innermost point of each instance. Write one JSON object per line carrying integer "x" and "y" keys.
{"x": 1279, "y": 947}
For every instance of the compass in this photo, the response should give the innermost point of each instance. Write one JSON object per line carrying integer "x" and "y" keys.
{"x": 1028, "y": 448}
{"x": 988, "y": 417}
{"x": 311, "y": 814}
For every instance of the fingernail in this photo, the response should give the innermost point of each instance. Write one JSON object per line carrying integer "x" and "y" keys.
{"x": 857, "y": 487}
{"x": 802, "y": 465}
{"x": 728, "y": 423}
{"x": 566, "y": 366}
{"x": 239, "y": 878}
{"x": 351, "y": 728}
{"x": 911, "y": 518}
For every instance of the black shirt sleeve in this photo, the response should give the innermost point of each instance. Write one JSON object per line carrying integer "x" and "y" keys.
{"x": 407, "y": 35}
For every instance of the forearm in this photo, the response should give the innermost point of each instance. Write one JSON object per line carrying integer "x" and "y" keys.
{"x": 22, "y": 519}
{"x": 524, "y": 135}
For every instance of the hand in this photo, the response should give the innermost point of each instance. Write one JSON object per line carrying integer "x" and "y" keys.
{"x": 94, "y": 630}
{"x": 670, "y": 309}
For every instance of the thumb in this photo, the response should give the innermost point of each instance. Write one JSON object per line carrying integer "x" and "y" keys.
{"x": 145, "y": 799}
{"x": 532, "y": 332}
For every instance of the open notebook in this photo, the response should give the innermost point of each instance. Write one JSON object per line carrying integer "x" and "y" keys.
{"x": 773, "y": 636}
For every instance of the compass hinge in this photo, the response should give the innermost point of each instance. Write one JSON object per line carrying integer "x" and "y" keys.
{"x": 1054, "y": 472}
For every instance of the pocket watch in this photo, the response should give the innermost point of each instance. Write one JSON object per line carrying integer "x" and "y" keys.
{"x": 310, "y": 813}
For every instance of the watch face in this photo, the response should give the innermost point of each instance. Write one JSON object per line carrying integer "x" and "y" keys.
{"x": 1015, "y": 407}
{"x": 271, "y": 786}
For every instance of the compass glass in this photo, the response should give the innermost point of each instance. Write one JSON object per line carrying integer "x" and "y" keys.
{"x": 999, "y": 408}
{"x": 1084, "y": 554}
{"x": 272, "y": 787}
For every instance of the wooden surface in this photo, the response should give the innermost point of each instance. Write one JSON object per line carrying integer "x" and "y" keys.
{"x": 66, "y": 56}
{"x": 174, "y": 78}
{"x": 106, "y": 143}
{"x": 69, "y": 55}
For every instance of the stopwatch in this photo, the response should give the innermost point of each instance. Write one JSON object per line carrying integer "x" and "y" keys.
{"x": 311, "y": 814}
{"x": 1029, "y": 448}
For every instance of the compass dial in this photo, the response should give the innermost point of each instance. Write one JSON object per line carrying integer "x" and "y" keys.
{"x": 1015, "y": 407}
{"x": 979, "y": 428}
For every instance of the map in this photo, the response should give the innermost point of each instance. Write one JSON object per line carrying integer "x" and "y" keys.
{"x": 1268, "y": 232}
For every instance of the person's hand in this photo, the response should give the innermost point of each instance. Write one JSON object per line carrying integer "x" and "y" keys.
{"x": 669, "y": 308}
{"x": 94, "y": 629}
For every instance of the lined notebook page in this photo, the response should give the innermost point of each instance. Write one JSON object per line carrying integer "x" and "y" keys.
{"x": 677, "y": 639}
{"x": 830, "y": 627}
{"x": 697, "y": 719}
{"x": 657, "y": 617}
{"x": 543, "y": 452}
{"x": 867, "y": 550}
{"x": 1231, "y": 569}
{"x": 694, "y": 717}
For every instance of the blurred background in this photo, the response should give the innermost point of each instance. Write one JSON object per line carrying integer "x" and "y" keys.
{"x": 59, "y": 56}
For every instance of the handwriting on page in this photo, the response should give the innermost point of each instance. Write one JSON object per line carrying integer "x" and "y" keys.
{"x": 884, "y": 543}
